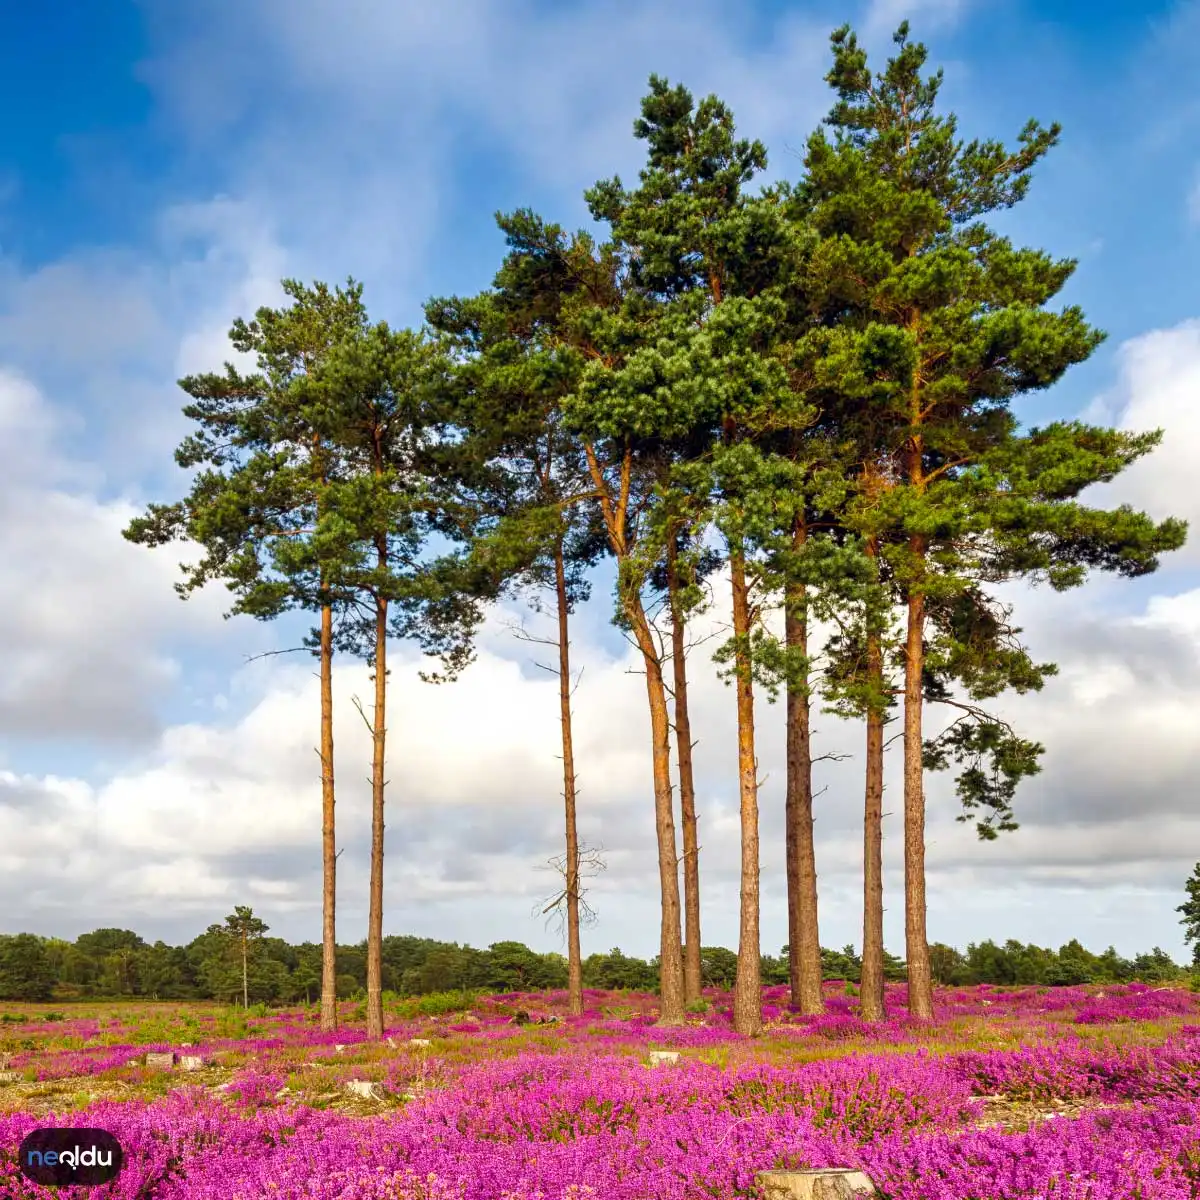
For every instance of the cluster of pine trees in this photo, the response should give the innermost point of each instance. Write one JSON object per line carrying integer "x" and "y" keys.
{"x": 114, "y": 963}
{"x": 804, "y": 391}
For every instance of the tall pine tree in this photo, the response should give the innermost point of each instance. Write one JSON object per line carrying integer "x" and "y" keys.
{"x": 254, "y": 507}
{"x": 942, "y": 323}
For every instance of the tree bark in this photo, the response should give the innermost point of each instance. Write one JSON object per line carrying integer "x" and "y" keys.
{"x": 614, "y": 509}
{"x": 692, "y": 977}
{"x": 920, "y": 983}
{"x": 245, "y": 975}
{"x": 571, "y": 874}
{"x": 871, "y": 979}
{"x": 747, "y": 987}
{"x": 671, "y": 1003}
{"x": 378, "y": 783}
{"x": 328, "y": 841}
{"x": 804, "y": 937}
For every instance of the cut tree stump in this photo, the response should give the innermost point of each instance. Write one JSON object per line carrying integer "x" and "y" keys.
{"x": 339, "y": 1049}
{"x": 190, "y": 1062}
{"x": 420, "y": 1043}
{"x": 9, "y": 1076}
{"x": 162, "y": 1062}
{"x": 831, "y": 1183}
{"x": 663, "y": 1056}
{"x": 365, "y": 1088}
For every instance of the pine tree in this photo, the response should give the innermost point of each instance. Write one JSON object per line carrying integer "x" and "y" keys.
{"x": 243, "y": 928}
{"x": 379, "y": 394}
{"x": 589, "y": 320}
{"x": 941, "y": 322}
{"x": 704, "y": 257}
{"x": 254, "y": 508}
{"x": 535, "y": 527}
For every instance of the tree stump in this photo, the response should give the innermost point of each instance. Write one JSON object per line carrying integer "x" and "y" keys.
{"x": 830, "y": 1183}
{"x": 339, "y": 1049}
{"x": 365, "y": 1088}
{"x": 161, "y": 1062}
{"x": 9, "y": 1076}
{"x": 657, "y": 1057}
{"x": 190, "y": 1062}
{"x": 420, "y": 1043}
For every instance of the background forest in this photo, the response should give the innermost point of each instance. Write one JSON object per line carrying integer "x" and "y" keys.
{"x": 116, "y": 962}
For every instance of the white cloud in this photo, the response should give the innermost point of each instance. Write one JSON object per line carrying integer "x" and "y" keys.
{"x": 883, "y": 16}
{"x": 386, "y": 101}
{"x": 88, "y": 617}
{"x": 1158, "y": 381}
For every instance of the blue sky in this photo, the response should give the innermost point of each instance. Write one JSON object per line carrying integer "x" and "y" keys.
{"x": 163, "y": 165}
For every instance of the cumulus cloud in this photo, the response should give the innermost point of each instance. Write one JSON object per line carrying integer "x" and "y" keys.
{"x": 405, "y": 112}
{"x": 1158, "y": 380}
{"x": 85, "y": 612}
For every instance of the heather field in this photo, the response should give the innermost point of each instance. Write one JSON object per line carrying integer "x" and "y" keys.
{"x": 1068, "y": 1093}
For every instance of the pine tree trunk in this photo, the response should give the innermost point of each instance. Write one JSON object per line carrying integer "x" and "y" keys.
{"x": 747, "y": 987}
{"x": 871, "y": 979}
{"x": 245, "y": 976}
{"x": 328, "y": 842}
{"x": 671, "y": 1003}
{"x": 920, "y": 984}
{"x": 692, "y": 976}
{"x": 574, "y": 955}
{"x": 615, "y": 513}
{"x": 378, "y": 782}
{"x": 804, "y": 938}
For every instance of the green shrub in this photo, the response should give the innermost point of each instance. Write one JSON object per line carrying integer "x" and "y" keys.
{"x": 436, "y": 1004}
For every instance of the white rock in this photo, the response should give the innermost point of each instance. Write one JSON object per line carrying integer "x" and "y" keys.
{"x": 835, "y": 1183}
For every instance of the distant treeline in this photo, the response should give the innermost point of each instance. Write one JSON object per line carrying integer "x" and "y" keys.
{"x": 109, "y": 963}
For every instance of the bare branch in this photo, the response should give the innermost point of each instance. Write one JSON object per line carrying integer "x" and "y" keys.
{"x": 366, "y": 720}
{"x": 273, "y": 653}
{"x": 831, "y": 756}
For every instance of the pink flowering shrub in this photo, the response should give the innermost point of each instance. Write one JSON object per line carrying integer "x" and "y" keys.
{"x": 572, "y": 1111}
